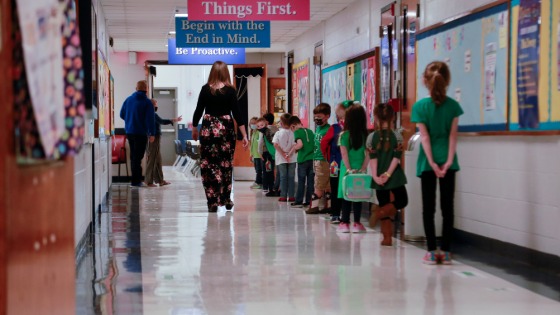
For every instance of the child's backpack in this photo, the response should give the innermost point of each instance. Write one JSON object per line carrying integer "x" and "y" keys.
{"x": 357, "y": 187}
{"x": 270, "y": 147}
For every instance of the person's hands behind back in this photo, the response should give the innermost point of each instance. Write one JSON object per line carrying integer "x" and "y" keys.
{"x": 195, "y": 133}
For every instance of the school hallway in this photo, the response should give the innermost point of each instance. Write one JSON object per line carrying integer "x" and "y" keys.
{"x": 158, "y": 251}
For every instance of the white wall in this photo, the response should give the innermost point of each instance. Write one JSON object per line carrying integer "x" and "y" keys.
{"x": 508, "y": 187}
{"x": 82, "y": 192}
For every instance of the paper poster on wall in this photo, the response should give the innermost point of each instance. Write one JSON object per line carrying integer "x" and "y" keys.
{"x": 386, "y": 70}
{"x": 468, "y": 62}
{"x": 457, "y": 95}
{"x": 317, "y": 79}
{"x": 302, "y": 90}
{"x": 350, "y": 71}
{"x": 334, "y": 86}
{"x": 490, "y": 76}
{"x": 558, "y": 50}
{"x": 41, "y": 39}
{"x": 528, "y": 63}
{"x": 503, "y": 29}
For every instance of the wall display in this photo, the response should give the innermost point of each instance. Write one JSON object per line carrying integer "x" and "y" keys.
{"x": 470, "y": 45}
{"x": 103, "y": 95}
{"x": 534, "y": 63}
{"x": 43, "y": 67}
{"x": 29, "y": 144}
{"x": 362, "y": 82}
{"x": 112, "y": 101}
{"x": 255, "y": 10}
{"x": 301, "y": 91}
{"x": 334, "y": 87}
{"x": 317, "y": 82}
{"x": 385, "y": 80}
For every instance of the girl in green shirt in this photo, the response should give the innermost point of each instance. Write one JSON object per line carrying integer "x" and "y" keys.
{"x": 352, "y": 144}
{"x": 388, "y": 177}
{"x": 437, "y": 118}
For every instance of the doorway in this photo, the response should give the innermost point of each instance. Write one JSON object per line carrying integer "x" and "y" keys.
{"x": 167, "y": 109}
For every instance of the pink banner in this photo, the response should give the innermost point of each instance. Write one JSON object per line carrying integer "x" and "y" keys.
{"x": 248, "y": 10}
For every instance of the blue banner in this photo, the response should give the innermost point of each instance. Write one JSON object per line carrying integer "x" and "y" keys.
{"x": 528, "y": 63}
{"x": 245, "y": 34}
{"x": 203, "y": 56}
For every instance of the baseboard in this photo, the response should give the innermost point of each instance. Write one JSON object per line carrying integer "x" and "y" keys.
{"x": 82, "y": 247}
{"x": 518, "y": 253}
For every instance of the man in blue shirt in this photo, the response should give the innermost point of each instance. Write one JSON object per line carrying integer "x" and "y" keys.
{"x": 139, "y": 123}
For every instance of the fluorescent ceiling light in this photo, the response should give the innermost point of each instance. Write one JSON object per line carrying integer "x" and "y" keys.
{"x": 171, "y": 32}
{"x": 181, "y": 15}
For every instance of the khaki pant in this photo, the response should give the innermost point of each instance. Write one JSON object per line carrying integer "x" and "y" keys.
{"x": 154, "y": 172}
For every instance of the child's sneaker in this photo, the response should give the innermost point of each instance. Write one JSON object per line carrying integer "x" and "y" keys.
{"x": 430, "y": 258}
{"x": 296, "y": 205}
{"x": 282, "y": 199}
{"x": 291, "y": 199}
{"x": 343, "y": 228}
{"x": 265, "y": 190}
{"x": 358, "y": 228}
{"x": 335, "y": 219}
{"x": 445, "y": 258}
{"x": 256, "y": 186}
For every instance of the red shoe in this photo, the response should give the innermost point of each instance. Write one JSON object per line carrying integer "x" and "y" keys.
{"x": 282, "y": 199}
{"x": 291, "y": 199}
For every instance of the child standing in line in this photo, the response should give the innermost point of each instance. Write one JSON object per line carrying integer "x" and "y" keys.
{"x": 267, "y": 160}
{"x": 305, "y": 146}
{"x": 354, "y": 159}
{"x": 268, "y": 136}
{"x": 388, "y": 176}
{"x": 285, "y": 158}
{"x": 437, "y": 118}
{"x": 256, "y": 157}
{"x": 331, "y": 151}
{"x": 321, "y": 115}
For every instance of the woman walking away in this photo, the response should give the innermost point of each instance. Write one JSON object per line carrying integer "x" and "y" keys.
{"x": 352, "y": 145}
{"x": 437, "y": 118}
{"x": 218, "y": 101}
{"x": 388, "y": 176}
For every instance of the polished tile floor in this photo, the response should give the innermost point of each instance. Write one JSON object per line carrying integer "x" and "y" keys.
{"x": 158, "y": 251}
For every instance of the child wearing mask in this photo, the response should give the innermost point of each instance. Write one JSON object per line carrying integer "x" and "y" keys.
{"x": 256, "y": 157}
{"x": 321, "y": 115}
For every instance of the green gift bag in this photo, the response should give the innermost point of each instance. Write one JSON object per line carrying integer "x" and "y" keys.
{"x": 357, "y": 187}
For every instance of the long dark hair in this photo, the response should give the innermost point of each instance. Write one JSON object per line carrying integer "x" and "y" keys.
{"x": 384, "y": 113}
{"x": 437, "y": 78}
{"x": 355, "y": 123}
{"x": 218, "y": 74}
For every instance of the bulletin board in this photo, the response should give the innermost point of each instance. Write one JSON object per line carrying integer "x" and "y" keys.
{"x": 547, "y": 105}
{"x": 334, "y": 86}
{"x": 103, "y": 94}
{"x": 475, "y": 47}
{"x": 362, "y": 82}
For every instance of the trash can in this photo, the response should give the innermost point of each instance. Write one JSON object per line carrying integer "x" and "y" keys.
{"x": 413, "y": 225}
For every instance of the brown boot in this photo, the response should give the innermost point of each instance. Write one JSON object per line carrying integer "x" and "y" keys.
{"x": 387, "y": 211}
{"x": 373, "y": 217}
{"x": 387, "y": 231}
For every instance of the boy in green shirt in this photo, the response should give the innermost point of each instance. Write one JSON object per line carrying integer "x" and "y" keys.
{"x": 305, "y": 147}
{"x": 321, "y": 115}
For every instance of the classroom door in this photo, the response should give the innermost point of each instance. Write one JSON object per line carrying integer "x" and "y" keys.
{"x": 167, "y": 109}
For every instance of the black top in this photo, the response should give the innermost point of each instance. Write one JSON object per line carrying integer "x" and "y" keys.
{"x": 224, "y": 102}
{"x": 160, "y": 121}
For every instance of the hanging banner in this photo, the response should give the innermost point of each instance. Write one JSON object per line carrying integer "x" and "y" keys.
{"x": 41, "y": 39}
{"x": 203, "y": 56}
{"x": 247, "y": 10}
{"x": 243, "y": 34}
{"x": 528, "y": 63}
{"x": 368, "y": 71}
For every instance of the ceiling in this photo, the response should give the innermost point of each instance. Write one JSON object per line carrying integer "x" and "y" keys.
{"x": 144, "y": 25}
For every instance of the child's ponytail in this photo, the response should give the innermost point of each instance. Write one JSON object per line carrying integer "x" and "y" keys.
{"x": 436, "y": 79}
